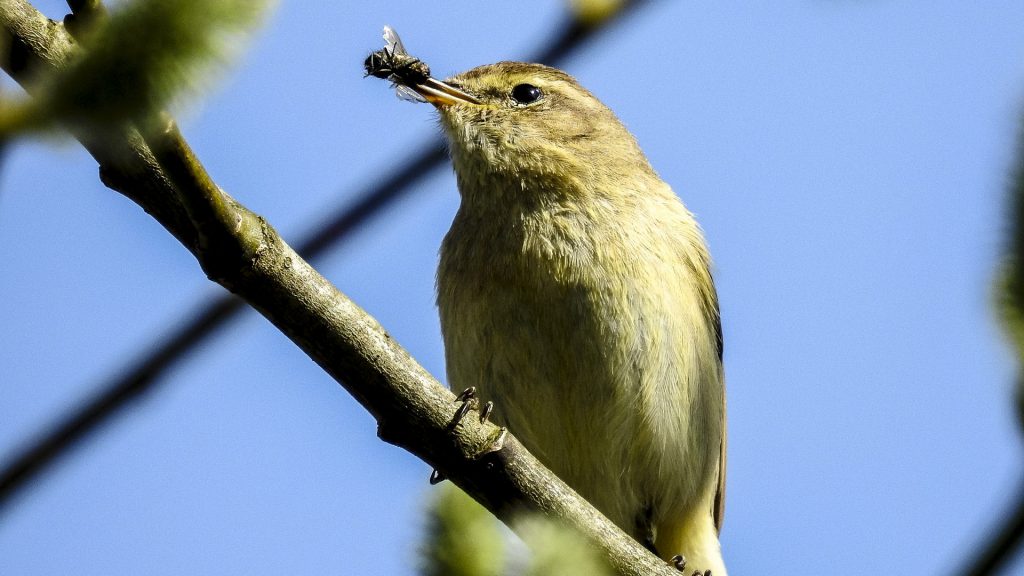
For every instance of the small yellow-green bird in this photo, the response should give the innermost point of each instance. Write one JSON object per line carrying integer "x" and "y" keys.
{"x": 575, "y": 290}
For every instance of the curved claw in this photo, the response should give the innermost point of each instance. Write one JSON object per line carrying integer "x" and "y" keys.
{"x": 461, "y": 412}
{"x": 485, "y": 413}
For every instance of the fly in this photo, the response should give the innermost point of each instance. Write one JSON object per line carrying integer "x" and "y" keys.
{"x": 395, "y": 64}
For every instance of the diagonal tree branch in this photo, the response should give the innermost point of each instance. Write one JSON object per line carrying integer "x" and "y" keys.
{"x": 242, "y": 252}
{"x": 143, "y": 375}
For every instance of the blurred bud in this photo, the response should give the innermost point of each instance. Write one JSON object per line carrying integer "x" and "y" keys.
{"x": 593, "y": 12}
{"x": 1010, "y": 305}
{"x": 1020, "y": 400}
{"x": 558, "y": 549}
{"x": 462, "y": 537}
{"x": 145, "y": 56}
{"x": 1010, "y": 284}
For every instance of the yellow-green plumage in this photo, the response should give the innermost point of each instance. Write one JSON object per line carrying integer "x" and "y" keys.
{"x": 574, "y": 290}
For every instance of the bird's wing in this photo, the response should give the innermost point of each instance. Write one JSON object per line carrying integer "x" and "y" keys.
{"x": 718, "y": 510}
{"x": 719, "y": 507}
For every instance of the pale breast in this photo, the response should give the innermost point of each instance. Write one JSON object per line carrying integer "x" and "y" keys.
{"x": 591, "y": 361}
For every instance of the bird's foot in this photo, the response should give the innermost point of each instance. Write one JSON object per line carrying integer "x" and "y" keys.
{"x": 679, "y": 563}
{"x": 485, "y": 412}
{"x": 469, "y": 401}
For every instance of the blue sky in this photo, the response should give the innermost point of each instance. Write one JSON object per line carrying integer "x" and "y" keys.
{"x": 848, "y": 161}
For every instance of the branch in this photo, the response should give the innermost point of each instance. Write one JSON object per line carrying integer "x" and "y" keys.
{"x": 144, "y": 374}
{"x": 241, "y": 251}
{"x": 997, "y": 551}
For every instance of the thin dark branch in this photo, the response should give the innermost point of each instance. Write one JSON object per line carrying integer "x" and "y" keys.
{"x": 999, "y": 547}
{"x": 116, "y": 396}
{"x": 143, "y": 375}
{"x": 997, "y": 550}
{"x": 412, "y": 409}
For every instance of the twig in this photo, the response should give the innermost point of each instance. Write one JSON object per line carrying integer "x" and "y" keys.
{"x": 411, "y": 408}
{"x": 96, "y": 411}
{"x": 143, "y": 375}
{"x": 998, "y": 549}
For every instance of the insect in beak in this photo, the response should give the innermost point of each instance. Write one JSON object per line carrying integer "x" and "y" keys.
{"x": 410, "y": 76}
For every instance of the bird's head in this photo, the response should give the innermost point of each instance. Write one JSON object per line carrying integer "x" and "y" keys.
{"x": 530, "y": 127}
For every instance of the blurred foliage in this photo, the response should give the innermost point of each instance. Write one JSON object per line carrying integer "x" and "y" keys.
{"x": 144, "y": 56}
{"x": 593, "y": 12}
{"x": 464, "y": 539}
{"x": 560, "y": 550}
{"x": 1011, "y": 281}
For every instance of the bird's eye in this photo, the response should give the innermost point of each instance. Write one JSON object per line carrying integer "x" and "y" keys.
{"x": 526, "y": 93}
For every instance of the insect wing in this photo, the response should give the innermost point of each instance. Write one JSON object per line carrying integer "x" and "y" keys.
{"x": 394, "y": 43}
{"x": 408, "y": 94}
{"x": 393, "y": 48}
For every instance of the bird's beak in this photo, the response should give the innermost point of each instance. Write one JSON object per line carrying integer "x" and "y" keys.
{"x": 442, "y": 94}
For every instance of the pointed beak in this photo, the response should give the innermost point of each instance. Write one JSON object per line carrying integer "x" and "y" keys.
{"x": 440, "y": 93}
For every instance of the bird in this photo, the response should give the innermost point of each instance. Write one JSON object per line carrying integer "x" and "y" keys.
{"x": 575, "y": 290}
